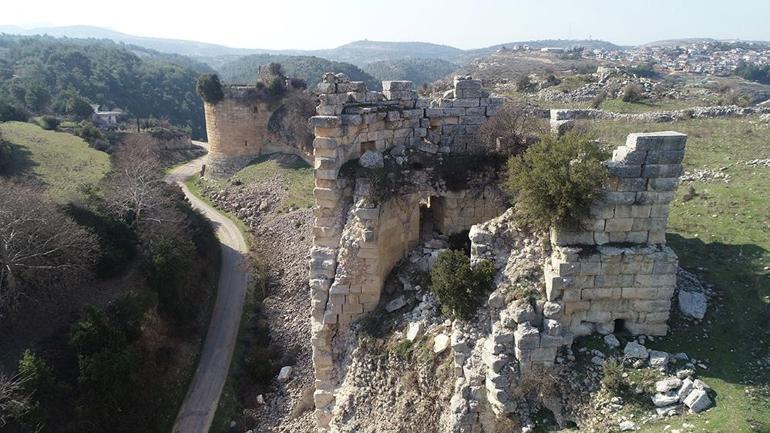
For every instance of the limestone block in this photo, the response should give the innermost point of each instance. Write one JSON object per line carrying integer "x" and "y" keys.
{"x": 527, "y": 337}
{"x": 399, "y": 85}
{"x": 644, "y": 293}
{"x": 619, "y": 198}
{"x": 662, "y": 170}
{"x": 619, "y": 169}
{"x": 601, "y": 211}
{"x": 619, "y": 224}
{"x": 637, "y": 237}
{"x": 665, "y": 157}
{"x": 652, "y": 306}
{"x": 629, "y": 155}
{"x": 562, "y": 238}
{"x": 600, "y": 293}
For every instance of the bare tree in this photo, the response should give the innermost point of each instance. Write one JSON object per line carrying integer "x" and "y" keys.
{"x": 135, "y": 186}
{"x": 512, "y": 129}
{"x": 14, "y": 401}
{"x": 39, "y": 244}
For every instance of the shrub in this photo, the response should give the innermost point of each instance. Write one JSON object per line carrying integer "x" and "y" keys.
{"x": 10, "y": 112}
{"x": 613, "y": 380}
{"x": 523, "y": 84}
{"x": 89, "y": 132}
{"x": 276, "y": 88}
{"x": 209, "y": 88}
{"x": 457, "y": 285}
{"x": 599, "y": 99}
{"x": 632, "y": 93}
{"x": 172, "y": 258}
{"x": 49, "y": 123}
{"x": 555, "y": 181}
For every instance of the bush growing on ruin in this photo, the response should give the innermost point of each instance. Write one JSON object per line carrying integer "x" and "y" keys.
{"x": 457, "y": 285}
{"x": 49, "y": 123}
{"x": 523, "y": 84}
{"x": 209, "y": 88}
{"x": 613, "y": 380}
{"x": 514, "y": 126}
{"x": 555, "y": 181}
{"x": 599, "y": 99}
{"x": 632, "y": 93}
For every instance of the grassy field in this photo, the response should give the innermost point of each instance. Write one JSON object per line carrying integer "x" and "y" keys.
{"x": 61, "y": 162}
{"x": 296, "y": 178}
{"x": 723, "y": 235}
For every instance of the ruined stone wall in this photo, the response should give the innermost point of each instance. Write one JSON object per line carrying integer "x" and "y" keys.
{"x": 357, "y": 241}
{"x": 618, "y": 270}
{"x": 238, "y": 132}
{"x": 455, "y": 212}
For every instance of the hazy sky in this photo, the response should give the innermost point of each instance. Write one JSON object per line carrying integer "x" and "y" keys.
{"x": 462, "y": 23}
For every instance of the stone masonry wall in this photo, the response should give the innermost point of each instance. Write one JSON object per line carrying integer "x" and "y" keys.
{"x": 455, "y": 212}
{"x": 356, "y": 242}
{"x": 237, "y": 129}
{"x": 618, "y": 271}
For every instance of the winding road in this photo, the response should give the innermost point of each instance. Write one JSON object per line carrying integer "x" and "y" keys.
{"x": 200, "y": 403}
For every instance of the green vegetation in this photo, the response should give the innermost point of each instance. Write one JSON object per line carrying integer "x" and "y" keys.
{"x": 296, "y": 175}
{"x": 458, "y": 285}
{"x": 209, "y": 88}
{"x": 61, "y": 162}
{"x": 245, "y": 70}
{"x": 554, "y": 182}
{"x": 632, "y": 93}
{"x": 722, "y": 236}
{"x": 47, "y": 75}
{"x": 753, "y": 72}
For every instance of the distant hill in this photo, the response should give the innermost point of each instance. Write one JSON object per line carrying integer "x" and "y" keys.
{"x": 690, "y": 41}
{"x": 589, "y": 44}
{"x": 365, "y": 52}
{"x": 244, "y": 70}
{"x": 419, "y": 71}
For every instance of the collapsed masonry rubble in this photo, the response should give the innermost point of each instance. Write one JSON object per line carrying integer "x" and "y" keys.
{"x": 614, "y": 273}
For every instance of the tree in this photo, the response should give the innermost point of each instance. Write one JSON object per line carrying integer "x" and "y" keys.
{"x": 39, "y": 245}
{"x": 209, "y": 88}
{"x": 14, "y": 402}
{"x": 513, "y": 126}
{"x": 135, "y": 186}
{"x": 458, "y": 285}
{"x": 555, "y": 181}
{"x": 632, "y": 93}
{"x": 37, "y": 98}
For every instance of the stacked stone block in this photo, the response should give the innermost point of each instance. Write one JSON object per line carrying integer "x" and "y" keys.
{"x": 457, "y": 211}
{"x": 617, "y": 271}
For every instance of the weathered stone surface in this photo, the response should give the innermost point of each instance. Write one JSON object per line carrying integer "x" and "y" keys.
{"x": 663, "y": 400}
{"x": 414, "y": 330}
{"x": 611, "y": 341}
{"x": 440, "y": 343}
{"x": 285, "y": 374}
{"x": 692, "y": 304}
{"x": 371, "y": 159}
{"x": 658, "y": 359}
{"x": 698, "y": 401}
{"x": 667, "y": 384}
{"x": 635, "y": 350}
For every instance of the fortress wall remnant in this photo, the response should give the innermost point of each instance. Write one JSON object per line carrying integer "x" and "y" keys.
{"x": 238, "y": 131}
{"x": 617, "y": 271}
{"x": 357, "y": 241}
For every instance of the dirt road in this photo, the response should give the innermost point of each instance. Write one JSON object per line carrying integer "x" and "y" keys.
{"x": 200, "y": 404}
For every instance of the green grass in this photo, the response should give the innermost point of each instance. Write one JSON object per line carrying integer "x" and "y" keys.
{"x": 618, "y": 106}
{"x": 62, "y": 162}
{"x": 297, "y": 179}
{"x": 722, "y": 235}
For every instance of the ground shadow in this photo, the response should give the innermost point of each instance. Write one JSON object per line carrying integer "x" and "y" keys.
{"x": 736, "y": 331}
{"x": 15, "y": 160}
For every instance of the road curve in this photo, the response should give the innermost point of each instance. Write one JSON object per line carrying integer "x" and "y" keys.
{"x": 200, "y": 403}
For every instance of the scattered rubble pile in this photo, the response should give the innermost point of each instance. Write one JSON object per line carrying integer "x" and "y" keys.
{"x": 706, "y": 175}
{"x": 287, "y": 235}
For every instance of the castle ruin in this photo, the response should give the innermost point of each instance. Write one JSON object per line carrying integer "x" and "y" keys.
{"x": 246, "y": 124}
{"x": 615, "y": 274}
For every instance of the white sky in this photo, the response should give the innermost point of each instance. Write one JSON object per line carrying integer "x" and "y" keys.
{"x": 461, "y": 23}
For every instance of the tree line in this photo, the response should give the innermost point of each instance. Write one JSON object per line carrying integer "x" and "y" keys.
{"x": 44, "y": 75}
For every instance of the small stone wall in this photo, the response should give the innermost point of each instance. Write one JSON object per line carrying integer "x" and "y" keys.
{"x": 455, "y": 212}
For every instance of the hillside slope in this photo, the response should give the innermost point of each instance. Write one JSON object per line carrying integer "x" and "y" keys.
{"x": 308, "y": 68}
